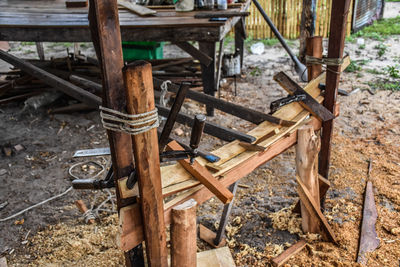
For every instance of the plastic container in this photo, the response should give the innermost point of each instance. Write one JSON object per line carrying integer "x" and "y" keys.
{"x": 142, "y": 50}
{"x": 208, "y": 4}
{"x": 184, "y": 5}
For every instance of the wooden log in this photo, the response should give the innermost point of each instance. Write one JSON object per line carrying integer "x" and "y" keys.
{"x": 287, "y": 254}
{"x": 140, "y": 99}
{"x": 236, "y": 110}
{"x": 184, "y": 235}
{"x": 307, "y": 26}
{"x": 52, "y": 80}
{"x": 314, "y": 48}
{"x": 85, "y": 83}
{"x": 210, "y": 128}
{"x": 106, "y": 37}
{"x": 335, "y": 50}
{"x": 307, "y": 148}
{"x": 204, "y": 176}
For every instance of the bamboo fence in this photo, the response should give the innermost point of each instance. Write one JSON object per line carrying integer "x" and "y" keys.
{"x": 286, "y": 15}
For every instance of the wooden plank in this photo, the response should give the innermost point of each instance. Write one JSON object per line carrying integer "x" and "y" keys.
{"x": 335, "y": 50}
{"x": 76, "y": 3}
{"x": 184, "y": 235}
{"x": 138, "y": 9}
{"x": 3, "y": 262}
{"x": 287, "y": 254}
{"x": 314, "y": 48}
{"x": 308, "y": 145}
{"x": 140, "y": 99}
{"x": 208, "y": 72}
{"x": 313, "y": 208}
{"x": 203, "y": 175}
{"x": 52, "y": 80}
{"x": 309, "y": 103}
{"x": 131, "y": 227}
{"x": 105, "y": 33}
{"x": 209, "y": 236}
{"x": 219, "y": 257}
{"x": 369, "y": 240}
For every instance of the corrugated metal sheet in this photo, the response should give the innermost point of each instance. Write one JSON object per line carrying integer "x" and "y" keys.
{"x": 365, "y": 12}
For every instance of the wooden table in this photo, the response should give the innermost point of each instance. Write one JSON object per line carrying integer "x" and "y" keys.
{"x": 51, "y": 21}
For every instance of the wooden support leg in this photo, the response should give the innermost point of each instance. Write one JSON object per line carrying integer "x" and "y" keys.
{"x": 225, "y": 215}
{"x": 184, "y": 235}
{"x": 40, "y": 50}
{"x": 140, "y": 99}
{"x": 208, "y": 72}
{"x": 105, "y": 32}
{"x": 240, "y": 36}
{"x": 314, "y": 48}
{"x": 335, "y": 50}
{"x": 219, "y": 66}
{"x": 307, "y": 148}
{"x": 307, "y": 26}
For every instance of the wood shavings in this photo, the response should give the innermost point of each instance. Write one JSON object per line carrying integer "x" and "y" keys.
{"x": 285, "y": 219}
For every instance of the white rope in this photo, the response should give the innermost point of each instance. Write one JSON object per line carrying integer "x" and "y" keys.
{"x": 164, "y": 91}
{"x": 86, "y": 162}
{"x": 132, "y": 124}
{"x": 324, "y": 61}
{"x": 36, "y": 205}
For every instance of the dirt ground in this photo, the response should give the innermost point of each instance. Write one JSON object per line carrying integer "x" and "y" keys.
{"x": 261, "y": 225}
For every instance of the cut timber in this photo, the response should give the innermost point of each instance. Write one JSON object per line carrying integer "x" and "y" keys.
{"x": 324, "y": 185}
{"x": 209, "y": 236}
{"x": 76, "y": 3}
{"x": 184, "y": 235}
{"x": 138, "y": 9}
{"x": 313, "y": 209}
{"x": 308, "y": 145}
{"x": 52, "y": 80}
{"x": 203, "y": 175}
{"x": 131, "y": 227}
{"x": 140, "y": 100}
{"x": 369, "y": 240}
{"x": 195, "y": 53}
{"x": 252, "y": 147}
{"x": 220, "y": 257}
{"x": 287, "y": 254}
{"x": 337, "y": 36}
{"x": 124, "y": 191}
{"x": 309, "y": 103}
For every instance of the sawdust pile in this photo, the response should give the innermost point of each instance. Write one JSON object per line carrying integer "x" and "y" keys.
{"x": 74, "y": 244}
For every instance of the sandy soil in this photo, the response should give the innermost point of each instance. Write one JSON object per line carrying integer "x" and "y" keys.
{"x": 261, "y": 224}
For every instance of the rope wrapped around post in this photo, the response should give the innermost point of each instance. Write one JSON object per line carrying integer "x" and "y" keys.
{"x": 324, "y": 61}
{"x": 132, "y": 124}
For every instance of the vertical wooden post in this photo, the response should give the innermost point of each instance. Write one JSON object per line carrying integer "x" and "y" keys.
{"x": 140, "y": 99}
{"x": 106, "y": 37}
{"x": 307, "y": 26}
{"x": 183, "y": 235}
{"x": 307, "y": 148}
{"x": 208, "y": 72}
{"x": 240, "y": 36}
{"x": 314, "y": 48}
{"x": 340, "y": 10}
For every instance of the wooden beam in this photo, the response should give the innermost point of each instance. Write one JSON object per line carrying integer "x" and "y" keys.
{"x": 203, "y": 175}
{"x": 236, "y": 110}
{"x": 324, "y": 185}
{"x": 210, "y": 128}
{"x": 184, "y": 235}
{"x": 314, "y": 48}
{"x": 308, "y": 145}
{"x": 52, "y": 80}
{"x": 195, "y": 53}
{"x": 76, "y": 3}
{"x": 287, "y": 254}
{"x": 208, "y": 72}
{"x": 307, "y": 26}
{"x": 337, "y": 35}
{"x": 140, "y": 99}
{"x": 105, "y": 33}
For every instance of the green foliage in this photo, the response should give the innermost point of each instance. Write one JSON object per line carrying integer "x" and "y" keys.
{"x": 361, "y": 46}
{"x": 255, "y": 72}
{"x": 27, "y": 43}
{"x": 356, "y": 65}
{"x": 393, "y": 71}
{"x": 381, "y": 49}
{"x": 385, "y": 85}
{"x": 381, "y": 28}
{"x": 374, "y": 71}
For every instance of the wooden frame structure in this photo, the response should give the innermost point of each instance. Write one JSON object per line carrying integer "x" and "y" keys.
{"x": 143, "y": 215}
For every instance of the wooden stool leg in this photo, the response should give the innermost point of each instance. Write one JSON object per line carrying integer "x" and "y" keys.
{"x": 208, "y": 72}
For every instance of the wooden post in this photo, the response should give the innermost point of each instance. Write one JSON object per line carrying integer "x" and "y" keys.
{"x": 314, "y": 48}
{"x": 307, "y": 148}
{"x": 307, "y": 26}
{"x": 183, "y": 235}
{"x": 106, "y": 37}
{"x": 208, "y": 72}
{"x": 140, "y": 99}
{"x": 340, "y": 10}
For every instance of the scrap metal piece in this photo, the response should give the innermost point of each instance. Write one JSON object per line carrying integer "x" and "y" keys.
{"x": 92, "y": 152}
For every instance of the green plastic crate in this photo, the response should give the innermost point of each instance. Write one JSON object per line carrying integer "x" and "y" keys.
{"x": 142, "y": 50}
